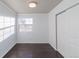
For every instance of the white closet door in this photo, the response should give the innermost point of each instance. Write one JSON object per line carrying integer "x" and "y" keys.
{"x": 68, "y": 32}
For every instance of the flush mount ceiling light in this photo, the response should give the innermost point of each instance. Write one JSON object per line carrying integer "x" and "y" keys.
{"x": 32, "y": 4}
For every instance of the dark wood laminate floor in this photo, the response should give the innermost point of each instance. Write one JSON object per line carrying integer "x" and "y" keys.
{"x": 32, "y": 51}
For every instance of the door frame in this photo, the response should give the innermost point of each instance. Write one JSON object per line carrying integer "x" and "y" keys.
{"x": 56, "y": 24}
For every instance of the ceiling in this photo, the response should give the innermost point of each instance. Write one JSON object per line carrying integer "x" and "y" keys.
{"x": 21, "y": 6}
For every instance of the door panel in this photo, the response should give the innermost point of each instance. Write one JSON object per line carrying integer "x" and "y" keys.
{"x": 68, "y": 32}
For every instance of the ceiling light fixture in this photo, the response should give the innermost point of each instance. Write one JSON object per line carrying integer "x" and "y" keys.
{"x": 32, "y": 4}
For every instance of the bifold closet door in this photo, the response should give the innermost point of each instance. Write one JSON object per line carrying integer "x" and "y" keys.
{"x": 68, "y": 32}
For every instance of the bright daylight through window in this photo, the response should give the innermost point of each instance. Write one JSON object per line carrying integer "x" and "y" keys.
{"x": 25, "y": 24}
{"x": 7, "y": 26}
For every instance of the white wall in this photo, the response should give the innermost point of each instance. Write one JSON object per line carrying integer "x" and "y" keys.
{"x": 39, "y": 33}
{"x": 67, "y": 44}
{"x": 8, "y": 43}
